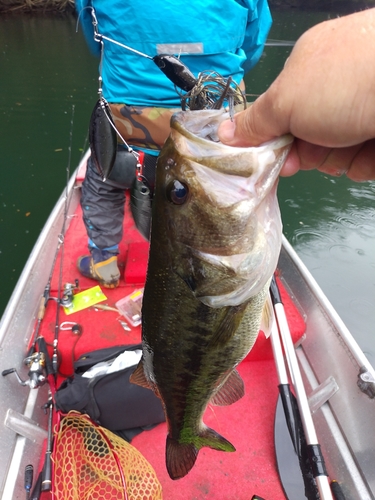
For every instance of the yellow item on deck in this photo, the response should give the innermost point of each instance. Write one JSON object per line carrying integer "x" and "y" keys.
{"x": 85, "y": 299}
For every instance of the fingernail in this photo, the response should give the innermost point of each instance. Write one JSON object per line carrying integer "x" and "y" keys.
{"x": 226, "y": 131}
{"x": 335, "y": 172}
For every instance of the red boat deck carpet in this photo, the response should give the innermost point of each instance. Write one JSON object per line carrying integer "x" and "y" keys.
{"x": 247, "y": 424}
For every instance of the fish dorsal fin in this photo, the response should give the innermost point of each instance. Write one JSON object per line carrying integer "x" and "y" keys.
{"x": 229, "y": 325}
{"x": 231, "y": 391}
{"x": 138, "y": 377}
{"x": 268, "y": 317}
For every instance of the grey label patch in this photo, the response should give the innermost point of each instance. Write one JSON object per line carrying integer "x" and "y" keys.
{"x": 180, "y": 48}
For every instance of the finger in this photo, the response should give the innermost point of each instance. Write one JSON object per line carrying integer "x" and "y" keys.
{"x": 339, "y": 160}
{"x": 304, "y": 156}
{"x": 311, "y": 155}
{"x": 358, "y": 162}
{"x": 362, "y": 167}
{"x": 292, "y": 163}
{"x": 256, "y": 125}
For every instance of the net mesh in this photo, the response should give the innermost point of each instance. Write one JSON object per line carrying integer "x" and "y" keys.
{"x": 92, "y": 463}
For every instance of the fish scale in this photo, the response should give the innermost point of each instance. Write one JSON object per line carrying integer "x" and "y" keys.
{"x": 210, "y": 262}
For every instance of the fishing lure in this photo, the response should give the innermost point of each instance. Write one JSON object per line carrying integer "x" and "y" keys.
{"x": 176, "y": 71}
{"x": 102, "y": 138}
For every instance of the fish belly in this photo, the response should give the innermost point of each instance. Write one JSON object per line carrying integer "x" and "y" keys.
{"x": 190, "y": 354}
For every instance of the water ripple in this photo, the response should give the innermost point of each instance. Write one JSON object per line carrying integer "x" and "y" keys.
{"x": 363, "y": 222}
{"x": 306, "y": 235}
{"x": 343, "y": 253}
{"x": 347, "y": 221}
{"x": 291, "y": 203}
{"x": 363, "y": 191}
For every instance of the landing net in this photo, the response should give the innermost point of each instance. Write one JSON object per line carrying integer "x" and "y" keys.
{"x": 92, "y": 463}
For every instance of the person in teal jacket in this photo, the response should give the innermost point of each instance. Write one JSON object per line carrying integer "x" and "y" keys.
{"x": 226, "y": 37}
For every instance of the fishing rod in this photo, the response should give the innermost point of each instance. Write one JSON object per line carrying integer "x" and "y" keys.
{"x": 36, "y": 357}
{"x": 63, "y": 298}
{"x": 46, "y": 480}
{"x": 47, "y": 290}
{"x": 286, "y": 395}
{"x": 293, "y": 421}
{"x": 303, "y": 414}
{"x": 41, "y": 367}
{"x": 28, "y": 479}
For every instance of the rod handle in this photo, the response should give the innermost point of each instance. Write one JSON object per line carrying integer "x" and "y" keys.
{"x": 338, "y": 494}
{"x": 47, "y": 473}
{"x": 35, "y": 495}
{"x": 275, "y": 292}
{"x": 29, "y": 473}
{"x": 42, "y": 308}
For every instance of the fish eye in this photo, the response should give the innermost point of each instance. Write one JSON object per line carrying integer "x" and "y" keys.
{"x": 177, "y": 192}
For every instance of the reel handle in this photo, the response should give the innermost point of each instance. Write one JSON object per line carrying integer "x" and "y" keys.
{"x": 4, "y": 373}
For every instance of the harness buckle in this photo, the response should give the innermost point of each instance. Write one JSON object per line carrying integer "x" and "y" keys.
{"x": 140, "y": 164}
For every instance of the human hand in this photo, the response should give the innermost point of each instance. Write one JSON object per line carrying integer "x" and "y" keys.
{"x": 325, "y": 97}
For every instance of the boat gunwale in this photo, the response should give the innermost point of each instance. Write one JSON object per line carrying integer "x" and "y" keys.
{"x": 330, "y": 311}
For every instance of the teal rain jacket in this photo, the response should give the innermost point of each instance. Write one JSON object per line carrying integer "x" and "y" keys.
{"x": 226, "y": 36}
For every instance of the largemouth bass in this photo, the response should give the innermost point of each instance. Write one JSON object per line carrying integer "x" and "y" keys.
{"x": 215, "y": 241}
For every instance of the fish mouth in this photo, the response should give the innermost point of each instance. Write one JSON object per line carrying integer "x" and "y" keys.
{"x": 201, "y": 130}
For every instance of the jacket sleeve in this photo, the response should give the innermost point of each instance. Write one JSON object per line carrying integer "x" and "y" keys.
{"x": 258, "y": 26}
{"x": 83, "y": 8}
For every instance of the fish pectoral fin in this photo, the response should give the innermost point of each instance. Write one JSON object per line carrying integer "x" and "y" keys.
{"x": 229, "y": 325}
{"x": 268, "y": 317}
{"x": 232, "y": 390}
{"x": 138, "y": 377}
{"x": 181, "y": 457}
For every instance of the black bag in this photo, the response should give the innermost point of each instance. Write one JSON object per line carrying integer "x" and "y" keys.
{"x": 110, "y": 399}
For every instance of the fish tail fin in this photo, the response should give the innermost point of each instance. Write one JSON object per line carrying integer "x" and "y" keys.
{"x": 181, "y": 457}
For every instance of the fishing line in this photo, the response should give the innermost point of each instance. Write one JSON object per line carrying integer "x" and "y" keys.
{"x": 103, "y": 37}
{"x": 109, "y": 118}
{"x": 103, "y": 102}
{"x": 98, "y": 37}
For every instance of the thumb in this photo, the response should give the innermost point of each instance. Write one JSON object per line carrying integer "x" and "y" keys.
{"x": 250, "y": 127}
